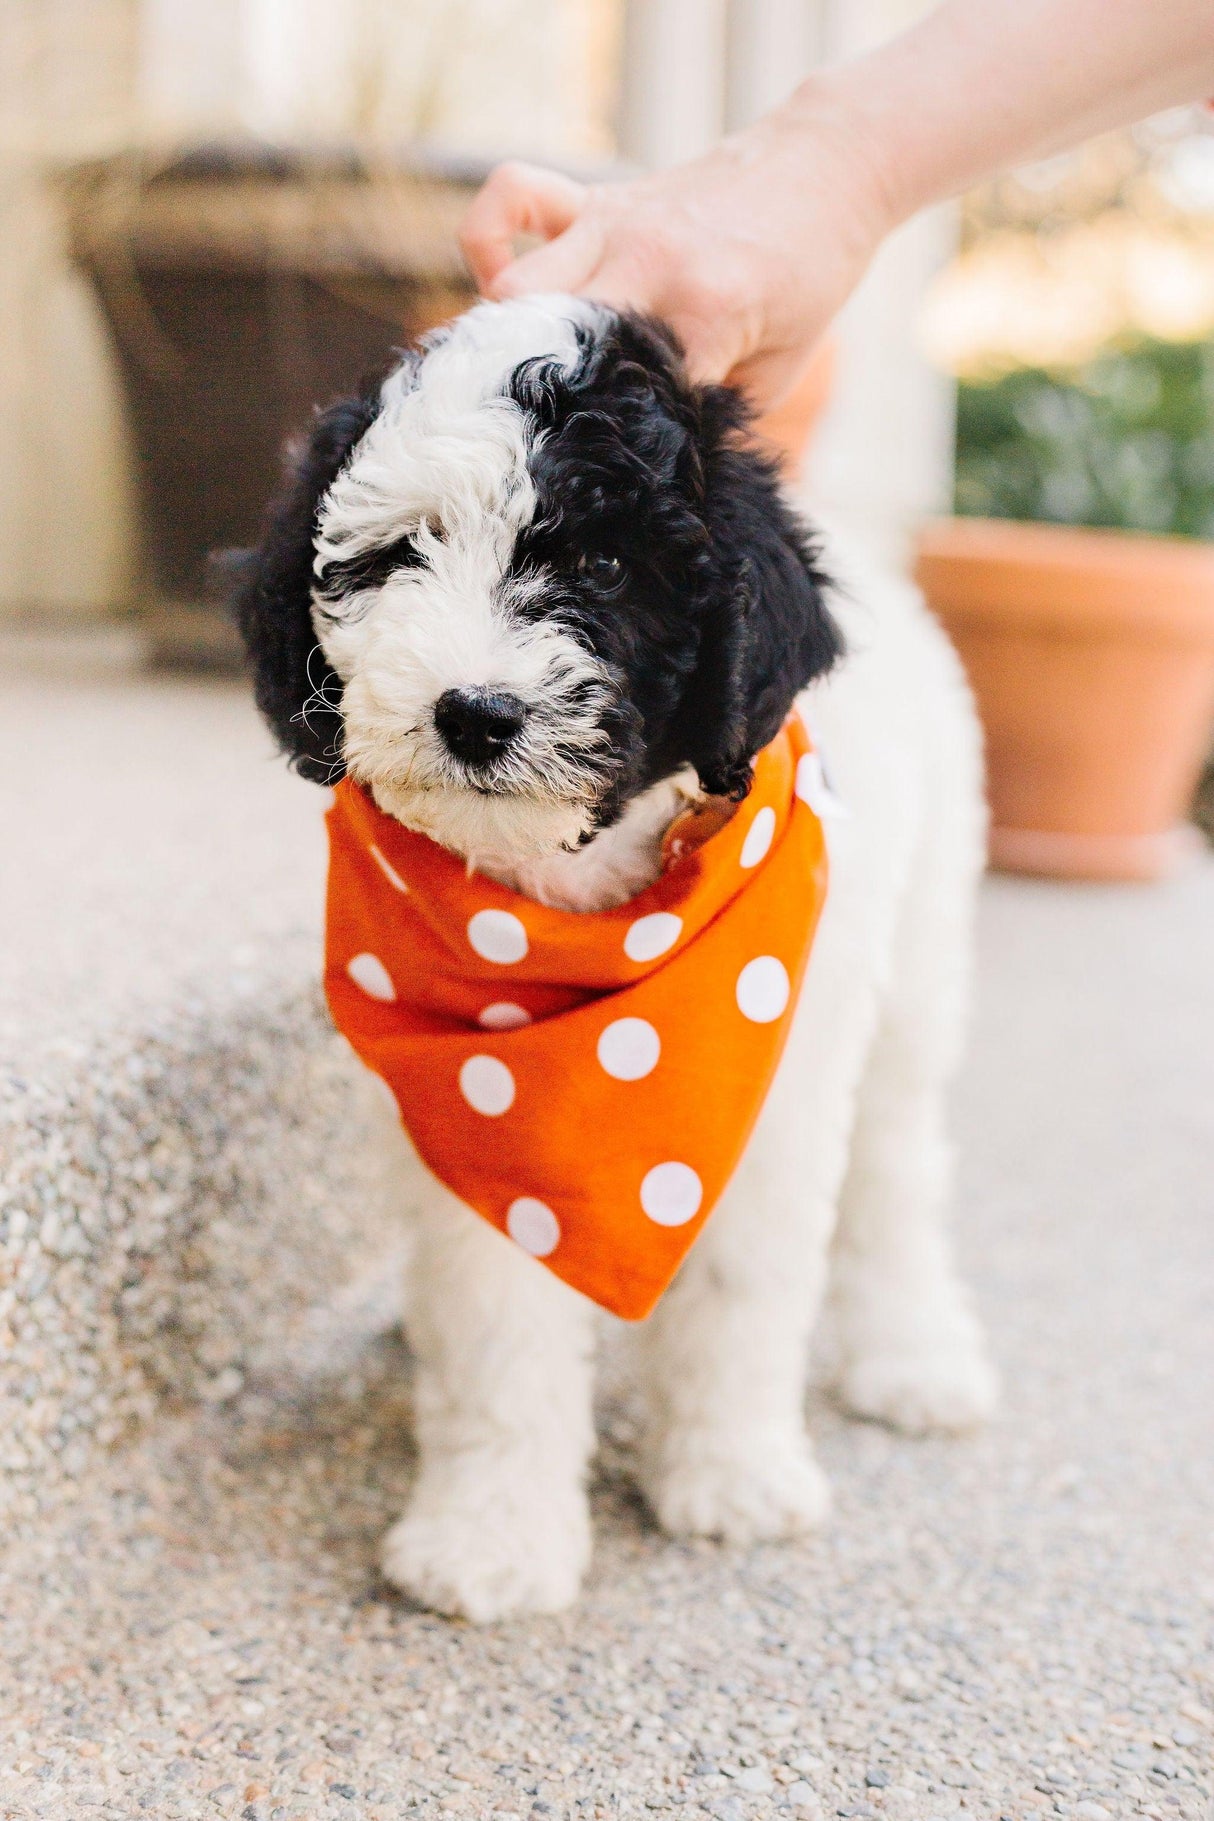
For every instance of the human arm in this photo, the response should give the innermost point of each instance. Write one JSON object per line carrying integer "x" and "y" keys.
{"x": 749, "y": 250}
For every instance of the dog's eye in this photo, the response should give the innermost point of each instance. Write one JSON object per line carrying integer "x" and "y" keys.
{"x": 603, "y": 571}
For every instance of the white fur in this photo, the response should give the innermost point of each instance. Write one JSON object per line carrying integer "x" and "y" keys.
{"x": 446, "y": 461}
{"x": 611, "y": 869}
{"x": 846, "y": 1177}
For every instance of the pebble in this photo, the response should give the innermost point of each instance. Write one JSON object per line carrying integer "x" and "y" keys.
{"x": 803, "y": 1799}
{"x": 757, "y": 1781}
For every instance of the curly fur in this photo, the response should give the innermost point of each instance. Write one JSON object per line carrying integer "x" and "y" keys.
{"x": 537, "y": 517}
{"x": 445, "y": 531}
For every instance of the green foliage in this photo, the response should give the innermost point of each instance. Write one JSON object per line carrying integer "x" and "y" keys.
{"x": 1126, "y": 440}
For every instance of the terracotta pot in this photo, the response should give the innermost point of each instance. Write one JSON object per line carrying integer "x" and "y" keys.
{"x": 1091, "y": 654}
{"x": 786, "y": 430}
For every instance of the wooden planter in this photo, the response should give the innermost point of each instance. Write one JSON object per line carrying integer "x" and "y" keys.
{"x": 242, "y": 286}
{"x": 1091, "y": 654}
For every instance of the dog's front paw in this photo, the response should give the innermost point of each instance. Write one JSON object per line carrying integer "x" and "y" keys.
{"x": 479, "y": 1549}
{"x": 917, "y": 1389}
{"x": 743, "y": 1490}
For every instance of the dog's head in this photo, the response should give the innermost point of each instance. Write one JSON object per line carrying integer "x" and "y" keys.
{"x": 528, "y": 576}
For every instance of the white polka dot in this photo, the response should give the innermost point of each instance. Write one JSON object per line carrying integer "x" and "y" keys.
{"x": 629, "y": 1049}
{"x": 813, "y": 787}
{"x": 497, "y": 935}
{"x": 389, "y": 871}
{"x": 651, "y": 936}
{"x": 369, "y": 972}
{"x": 487, "y": 1085}
{"x": 671, "y": 1194}
{"x": 503, "y": 1015}
{"x": 532, "y": 1225}
{"x": 759, "y": 836}
{"x": 763, "y": 989}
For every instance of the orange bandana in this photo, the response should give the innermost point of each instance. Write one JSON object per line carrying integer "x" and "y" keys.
{"x": 587, "y": 1083}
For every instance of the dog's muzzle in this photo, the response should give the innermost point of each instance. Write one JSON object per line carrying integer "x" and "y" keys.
{"x": 479, "y": 726}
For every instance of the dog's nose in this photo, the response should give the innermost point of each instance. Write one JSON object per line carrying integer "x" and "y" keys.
{"x": 478, "y": 725}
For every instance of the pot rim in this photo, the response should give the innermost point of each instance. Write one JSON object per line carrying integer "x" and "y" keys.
{"x": 1089, "y": 581}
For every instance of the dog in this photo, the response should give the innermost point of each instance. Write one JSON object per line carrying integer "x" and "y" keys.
{"x": 537, "y": 593}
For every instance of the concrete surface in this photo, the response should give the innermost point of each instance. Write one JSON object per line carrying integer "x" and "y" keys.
{"x": 1021, "y": 1624}
{"x": 151, "y": 838}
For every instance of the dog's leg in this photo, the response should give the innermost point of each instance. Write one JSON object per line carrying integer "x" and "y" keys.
{"x": 911, "y": 1350}
{"x": 726, "y": 1451}
{"x": 498, "y": 1521}
{"x": 725, "y": 1352}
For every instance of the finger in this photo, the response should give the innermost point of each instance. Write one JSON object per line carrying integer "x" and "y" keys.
{"x": 515, "y": 199}
{"x": 565, "y": 264}
{"x": 629, "y": 280}
{"x": 621, "y": 283}
{"x": 711, "y": 347}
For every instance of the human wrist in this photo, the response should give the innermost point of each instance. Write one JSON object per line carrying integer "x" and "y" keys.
{"x": 833, "y": 118}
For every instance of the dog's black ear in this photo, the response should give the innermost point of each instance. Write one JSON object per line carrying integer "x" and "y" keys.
{"x": 767, "y": 627}
{"x": 296, "y": 691}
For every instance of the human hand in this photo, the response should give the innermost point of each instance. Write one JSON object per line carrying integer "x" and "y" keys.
{"x": 750, "y": 250}
{"x": 747, "y": 252}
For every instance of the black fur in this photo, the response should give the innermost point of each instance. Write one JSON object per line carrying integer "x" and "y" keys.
{"x": 664, "y": 544}
{"x": 718, "y": 616}
{"x": 296, "y": 690}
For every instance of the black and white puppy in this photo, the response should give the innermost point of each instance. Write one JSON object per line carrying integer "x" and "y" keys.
{"x": 535, "y": 593}
{"x": 553, "y": 576}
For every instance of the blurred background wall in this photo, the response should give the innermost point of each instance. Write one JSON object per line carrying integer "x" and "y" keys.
{"x": 68, "y": 88}
{"x": 580, "y": 82}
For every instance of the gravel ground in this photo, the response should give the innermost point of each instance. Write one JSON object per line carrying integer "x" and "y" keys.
{"x": 172, "y": 1095}
{"x": 1017, "y": 1625}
